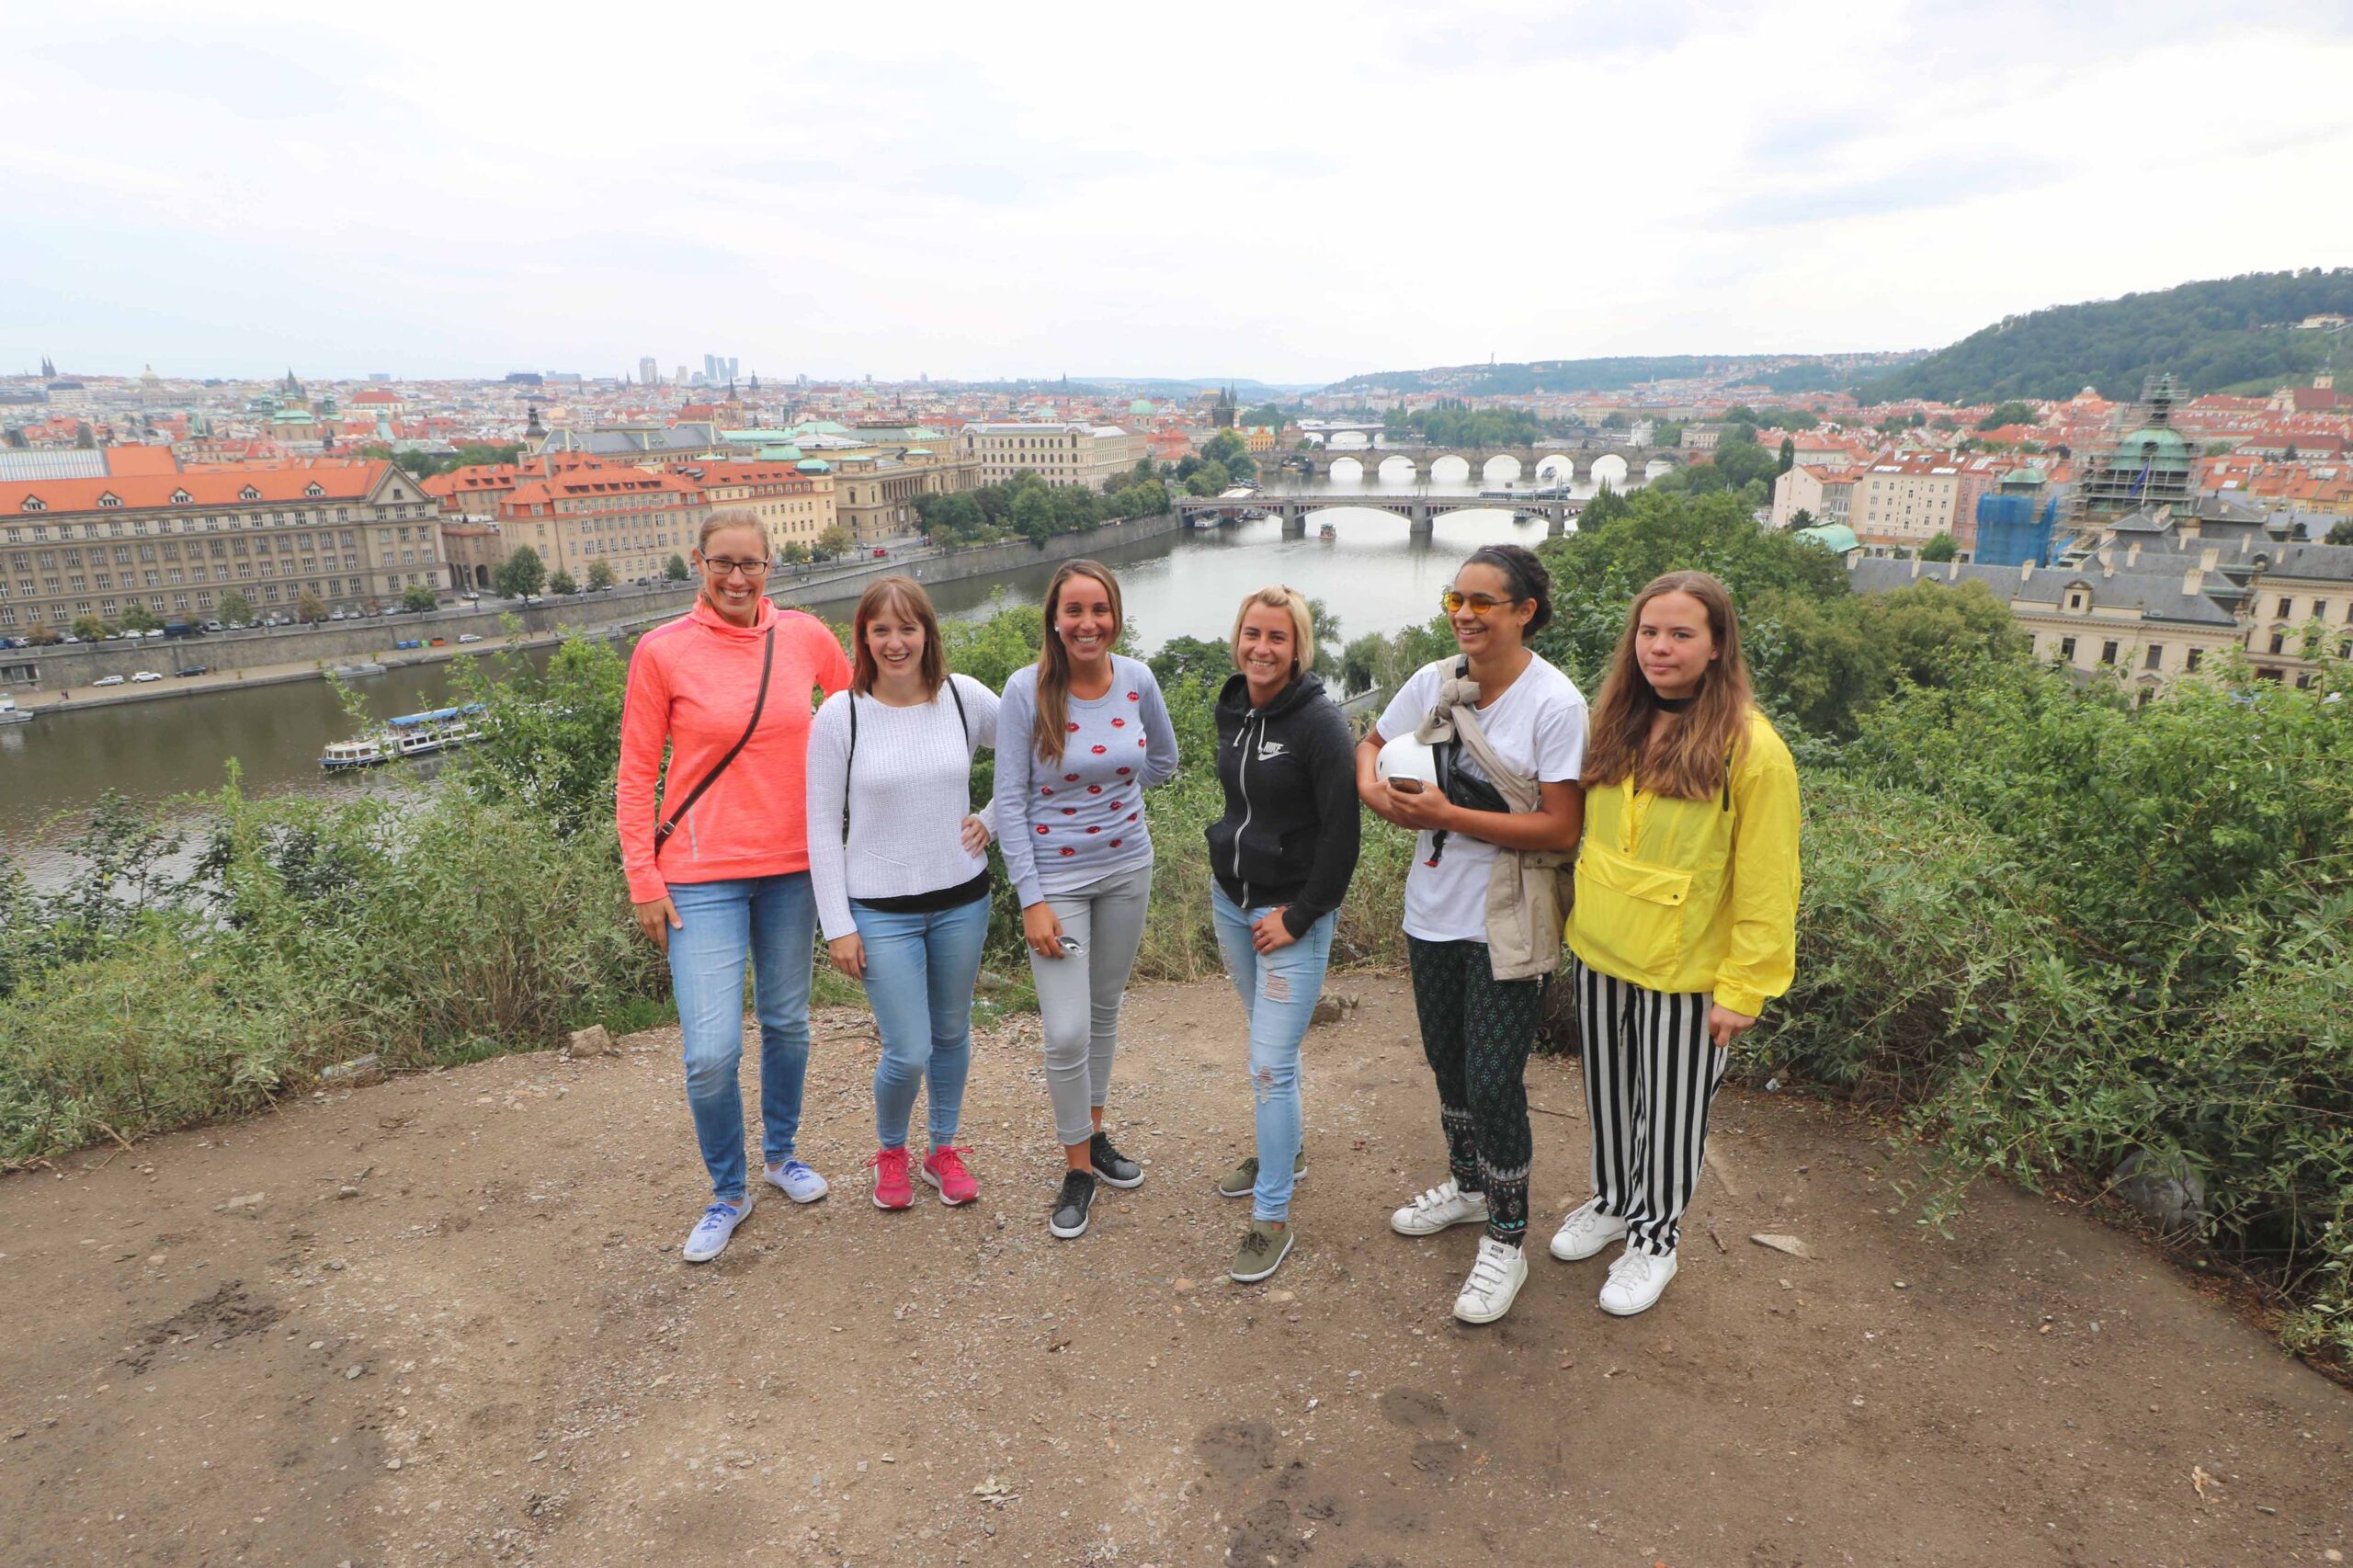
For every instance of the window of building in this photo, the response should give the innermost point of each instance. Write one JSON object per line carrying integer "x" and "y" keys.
{"x": 2279, "y": 642}
{"x": 2066, "y": 649}
{"x": 2107, "y": 652}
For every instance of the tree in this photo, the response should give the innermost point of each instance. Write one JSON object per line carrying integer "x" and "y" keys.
{"x": 836, "y": 540}
{"x": 562, "y": 583}
{"x": 40, "y": 634}
{"x": 2341, "y": 531}
{"x": 524, "y": 573}
{"x": 1944, "y": 547}
{"x": 793, "y": 553}
{"x": 600, "y": 575}
{"x": 1789, "y": 458}
{"x": 1615, "y": 420}
{"x": 88, "y": 627}
{"x": 2017, "y": 411}
{"x": 419, "y": 598}
{"x": 1360, "y": 663}
{"x": 1183, "y": 659}
{"x": 1327, "y": 630}
{"x": 309, "y": 608}
{"x": 1033, "y": 514}
{"x": 1230, "y": 450}
{"x": 236, "y": 609}
{"x": 139, "y": 617}
{"x": 1802, "y": 518}
{"x": 675, "y": 569}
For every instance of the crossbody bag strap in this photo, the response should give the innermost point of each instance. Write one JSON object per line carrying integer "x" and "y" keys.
{"x": 759, "y": 705}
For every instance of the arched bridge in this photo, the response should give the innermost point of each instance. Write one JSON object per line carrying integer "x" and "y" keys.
{"x": 1420, "y": 509}
{"x": 1548, "y": 460}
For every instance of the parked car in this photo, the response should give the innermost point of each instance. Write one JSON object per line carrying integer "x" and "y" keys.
{"x": 192, "y": 670}
{"x": 338, "y": 615}
{"x": 468, "y": 636}
{"x": 142, "y": 676}
{"x": 215, "y": 626}
{"x": 881, "y": 553}
{"x": 152, "y": 631}
{"x": 108, "y": 680}
{"x": 470, "y": 598}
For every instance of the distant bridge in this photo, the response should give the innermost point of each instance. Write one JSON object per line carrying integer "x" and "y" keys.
{"x": 1420, "y": 509}
{"x": 1534, "y": 462}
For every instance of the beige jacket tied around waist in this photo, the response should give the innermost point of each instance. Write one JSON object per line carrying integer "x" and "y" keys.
{"x": 1525, "y": 906}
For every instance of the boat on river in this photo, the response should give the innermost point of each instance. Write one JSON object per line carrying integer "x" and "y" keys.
{"x": 410, "y": 734}
{"x": 350, "y": 672}
{"x": 12, "y": 714}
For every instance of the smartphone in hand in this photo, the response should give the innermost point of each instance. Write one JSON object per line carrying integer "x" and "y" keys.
{"x": 1406, "y": 785}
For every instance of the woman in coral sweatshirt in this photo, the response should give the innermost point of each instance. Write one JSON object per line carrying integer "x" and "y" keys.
{"x": 720, "y": 869}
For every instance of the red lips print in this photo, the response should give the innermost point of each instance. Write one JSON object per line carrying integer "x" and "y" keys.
{"x": 1101, "y": 749}
{"x": 1118, "y": 723}
{"x": 1095, "y": 789}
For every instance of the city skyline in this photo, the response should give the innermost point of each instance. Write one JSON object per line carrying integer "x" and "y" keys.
{"x": 1254, "y": 194}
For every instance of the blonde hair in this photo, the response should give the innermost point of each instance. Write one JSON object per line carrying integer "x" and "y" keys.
{"x": 1279, "y": 595}
{"x": 732, "y": 517}
{"x": 1695, "y": 759}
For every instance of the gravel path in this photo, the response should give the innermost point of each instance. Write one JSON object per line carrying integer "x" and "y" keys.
{"x": 443, "y": 1320}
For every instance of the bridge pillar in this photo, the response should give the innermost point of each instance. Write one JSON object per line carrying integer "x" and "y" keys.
{"x": 1556, "y": 524}
{"x": 1420, "y": 521}
{"x": 1294, "y": 521}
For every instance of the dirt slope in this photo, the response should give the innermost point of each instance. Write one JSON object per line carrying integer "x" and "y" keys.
{"x": 215, "y": 1355}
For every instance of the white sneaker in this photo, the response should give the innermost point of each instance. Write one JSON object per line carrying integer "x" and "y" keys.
{"x": 1636, "y": 1281}
{"x": 1585, "y": 1232}
{"x": 1497, "y": 1275}
{"x": 709, "y": 1238}
{"x": 796, "y": 1181}
{"x": 1446, "y": 1204}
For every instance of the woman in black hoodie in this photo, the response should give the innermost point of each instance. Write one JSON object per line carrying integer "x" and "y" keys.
{"x": 1281, "y": 857}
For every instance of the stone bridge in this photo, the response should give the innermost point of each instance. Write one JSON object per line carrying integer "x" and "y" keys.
{"x": 1317, "y": 464}
{"x": 1419, "y": 509}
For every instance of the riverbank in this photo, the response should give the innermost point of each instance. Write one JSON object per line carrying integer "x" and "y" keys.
{"x": 412, "y": 1323}
{"x": 233, "y": 660}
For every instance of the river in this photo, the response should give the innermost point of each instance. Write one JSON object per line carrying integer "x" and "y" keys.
{"x": 1372, "y": 574}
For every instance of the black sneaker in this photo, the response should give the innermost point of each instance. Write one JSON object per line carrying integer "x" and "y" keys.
{"x": 1070, "y": 1210}
{"x": 1112, "y": 1165}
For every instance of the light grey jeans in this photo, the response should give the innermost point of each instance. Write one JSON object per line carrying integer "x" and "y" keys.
{"x": 1079, "y": 993}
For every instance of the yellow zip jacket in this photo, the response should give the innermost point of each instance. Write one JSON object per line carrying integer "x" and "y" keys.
{"x": 1695, "y": 895}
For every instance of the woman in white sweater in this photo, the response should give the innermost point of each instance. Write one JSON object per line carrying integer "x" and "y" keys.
{"x": 899, "y": 862}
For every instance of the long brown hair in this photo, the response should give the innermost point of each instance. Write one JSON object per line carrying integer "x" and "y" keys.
{"x": 1691, "y": 764}
{"x": 909, "y": 596}
{"x": 1053, "y": 664}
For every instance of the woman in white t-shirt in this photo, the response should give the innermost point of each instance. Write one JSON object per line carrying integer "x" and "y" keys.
{"x": 1476, "y": 1029}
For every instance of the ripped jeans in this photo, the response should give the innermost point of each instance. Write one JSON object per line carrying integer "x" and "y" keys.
{"x": 1279, "y": 992}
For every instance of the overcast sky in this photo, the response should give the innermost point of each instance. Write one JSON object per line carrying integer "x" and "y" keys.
{"x": 1293, "y": 193}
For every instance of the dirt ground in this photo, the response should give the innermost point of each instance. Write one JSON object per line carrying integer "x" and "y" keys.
{"x": 443, "y": 1320}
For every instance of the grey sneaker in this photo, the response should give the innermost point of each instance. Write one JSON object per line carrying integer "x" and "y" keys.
{"x": 1264, "y": 1246}
{"x": 1243, "y": 1179}
{"x": 1112, "y": 1165}
{"x": 1069, "y": 1218}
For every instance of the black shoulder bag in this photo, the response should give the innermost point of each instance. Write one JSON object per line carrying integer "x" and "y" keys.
{"x": 1462, "y": 789}
{"x": 759, "y": 704}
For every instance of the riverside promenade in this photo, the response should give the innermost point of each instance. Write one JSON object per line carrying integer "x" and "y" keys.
{"x": 63, "y": 676}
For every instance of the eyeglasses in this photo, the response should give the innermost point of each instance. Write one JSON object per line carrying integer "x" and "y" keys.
{"x": 725, "y": 567}
{"x": 1480, "y": 605}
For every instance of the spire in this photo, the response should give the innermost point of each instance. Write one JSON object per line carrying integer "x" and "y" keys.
{"x": 47, "y": 368}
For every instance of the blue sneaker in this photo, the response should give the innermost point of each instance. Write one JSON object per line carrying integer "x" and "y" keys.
{"x": 709, "y": 1238}
{"x": 798, "y": 1181}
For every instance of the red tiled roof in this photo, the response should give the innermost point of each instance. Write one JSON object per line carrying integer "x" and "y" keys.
{"x": 204, "y": 487}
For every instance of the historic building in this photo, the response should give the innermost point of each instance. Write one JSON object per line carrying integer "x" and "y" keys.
{"x": 175, "y": 543}
{"x": 1097, "y": 456}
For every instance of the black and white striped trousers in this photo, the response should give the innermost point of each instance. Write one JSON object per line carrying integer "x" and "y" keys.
{"x": 1651, "y": 1073}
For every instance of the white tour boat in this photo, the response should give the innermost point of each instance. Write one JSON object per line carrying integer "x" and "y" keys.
{"x": 410, "y": 734}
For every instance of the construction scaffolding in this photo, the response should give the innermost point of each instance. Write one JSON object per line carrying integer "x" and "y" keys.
{"x": 2152, "y": 465}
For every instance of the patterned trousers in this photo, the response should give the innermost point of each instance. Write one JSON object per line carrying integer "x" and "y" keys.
{"x": 1651, "y": 1073}
{"x": 1476, "y": 1032}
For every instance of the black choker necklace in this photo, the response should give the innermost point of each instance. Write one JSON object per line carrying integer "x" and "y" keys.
{"x": 1673, "y": 704}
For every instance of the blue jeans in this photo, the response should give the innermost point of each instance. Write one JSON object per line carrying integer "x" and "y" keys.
{"x": 919, "y": 973}
{"x": 1279, "y": 992}
{"x": 774, "y": 921}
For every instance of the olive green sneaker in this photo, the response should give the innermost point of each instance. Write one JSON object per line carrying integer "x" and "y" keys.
{"x": 1243, "y": 1179}
{"x": 1264, "y": 1246}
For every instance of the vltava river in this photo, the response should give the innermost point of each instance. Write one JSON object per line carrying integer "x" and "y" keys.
{"x": 1372, "y": 576}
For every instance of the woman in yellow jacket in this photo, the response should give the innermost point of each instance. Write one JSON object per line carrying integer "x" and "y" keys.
{"x": 1686, "y": 917}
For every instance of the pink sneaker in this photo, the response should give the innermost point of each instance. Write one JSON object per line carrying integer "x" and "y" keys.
{"x": 944, "y": 1168}
{"x": 892, "y": 1188}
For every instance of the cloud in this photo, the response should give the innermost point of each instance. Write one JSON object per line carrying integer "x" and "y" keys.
{"x": 1291, "y": 193}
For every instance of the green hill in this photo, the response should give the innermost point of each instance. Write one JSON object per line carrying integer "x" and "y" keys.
{"x": 1779, "y": 372}
{"x": 2211, "y": 335}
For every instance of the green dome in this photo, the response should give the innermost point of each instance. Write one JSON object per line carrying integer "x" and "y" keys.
{"x": 1141, "y": 405}
{"x": 2168, "y": 443}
